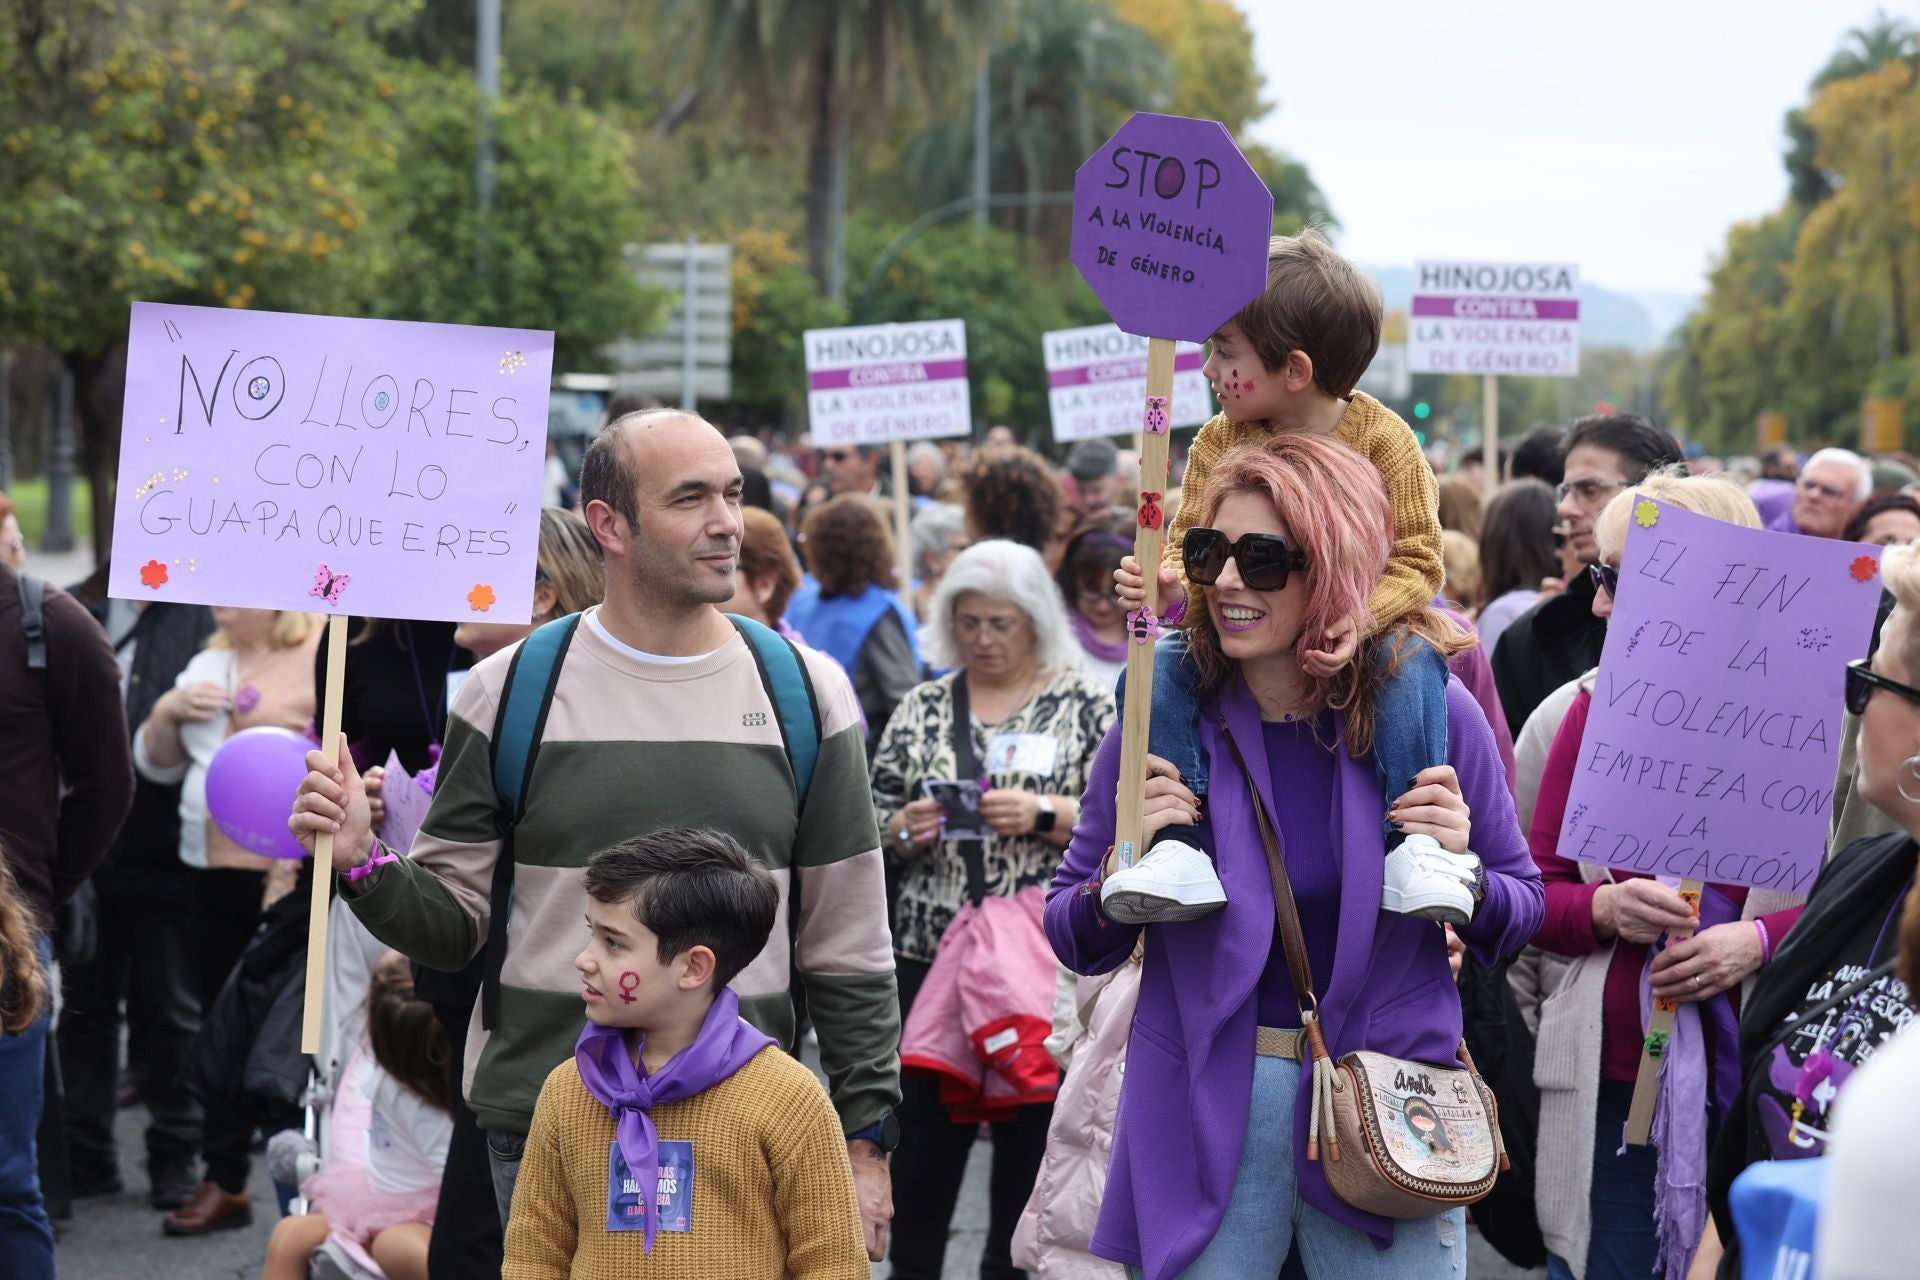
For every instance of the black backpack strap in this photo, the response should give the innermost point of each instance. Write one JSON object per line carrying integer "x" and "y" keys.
{"x": 33, "y": 621}
{"x": 518, "y": 726}
{"x": 967, "y": 765}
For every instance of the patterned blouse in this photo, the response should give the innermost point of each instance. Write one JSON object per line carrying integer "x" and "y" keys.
{"x": 1072, "y": 711}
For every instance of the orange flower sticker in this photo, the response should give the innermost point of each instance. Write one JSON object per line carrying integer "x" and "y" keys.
{"x": 153, "y": 574}
{"x": 481, "y": 597}
{"x": 1864, "y": 567}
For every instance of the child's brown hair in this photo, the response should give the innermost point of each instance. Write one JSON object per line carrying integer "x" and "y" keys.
{"x": 1317, "y": 303}
{"x": 408, "y": 1041}
{"x": 23, "y": 986}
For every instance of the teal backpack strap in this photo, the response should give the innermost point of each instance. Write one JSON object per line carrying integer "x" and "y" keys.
{"x": 518, "y": 725}
{"x": 784, "y": 673}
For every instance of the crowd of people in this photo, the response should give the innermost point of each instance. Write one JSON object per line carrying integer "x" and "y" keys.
{"x": 765, "y": 801}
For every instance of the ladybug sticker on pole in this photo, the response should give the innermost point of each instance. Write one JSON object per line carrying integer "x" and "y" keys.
{"x": 1170, "y": 228}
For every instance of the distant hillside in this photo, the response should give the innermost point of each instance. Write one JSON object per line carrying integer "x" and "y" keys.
{"x": 1638, "y": 321}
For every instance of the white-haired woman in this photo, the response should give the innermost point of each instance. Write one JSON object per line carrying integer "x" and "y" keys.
{"x": 1034, "y": 721}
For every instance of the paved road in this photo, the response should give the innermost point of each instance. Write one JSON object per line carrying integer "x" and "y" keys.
{"x": 114, "y": 1237}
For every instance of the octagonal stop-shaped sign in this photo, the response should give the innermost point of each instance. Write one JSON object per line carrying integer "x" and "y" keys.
{"x": 1170, "y": 227}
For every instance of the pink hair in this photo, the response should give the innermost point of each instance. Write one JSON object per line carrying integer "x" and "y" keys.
{"x": 1334, "y": 509}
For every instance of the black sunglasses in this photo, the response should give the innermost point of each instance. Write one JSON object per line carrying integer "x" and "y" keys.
{"x": 1862, "y": 680}
{"x": 1605, "y": 578}
{"x": 1265, "y": 559}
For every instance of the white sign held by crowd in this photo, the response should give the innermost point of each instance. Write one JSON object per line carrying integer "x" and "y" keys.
{"x": 1097, "y": 378}
{"x": 870, "y": 384}
{"x": 1504, "y": 319}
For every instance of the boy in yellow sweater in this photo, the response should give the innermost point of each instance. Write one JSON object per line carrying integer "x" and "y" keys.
{"x": 679, "y": 1141}
{"x": 1289, "y": 361}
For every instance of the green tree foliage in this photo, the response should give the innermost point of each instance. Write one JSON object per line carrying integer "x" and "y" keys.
{"x": 1815, "y": 306}
{"x": 549, "y": 253}
{"x": 839, "y": 64}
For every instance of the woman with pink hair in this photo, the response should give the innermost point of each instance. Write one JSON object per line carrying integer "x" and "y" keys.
{"x": 1293, "y": 537}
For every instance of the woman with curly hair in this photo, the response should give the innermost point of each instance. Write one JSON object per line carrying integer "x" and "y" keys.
{"x": 849, "y": 609}
{"x": 1012, "y": 493}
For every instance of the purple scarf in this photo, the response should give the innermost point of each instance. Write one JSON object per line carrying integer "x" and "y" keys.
{"x": 607, "y": 1069}
{"x": 1680, "y": 1111}
{"x": 1096, "y": 647}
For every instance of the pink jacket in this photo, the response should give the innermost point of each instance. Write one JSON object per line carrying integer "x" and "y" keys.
{"x": 981, "y": 1019}
{"x": 1052, "y": 1238}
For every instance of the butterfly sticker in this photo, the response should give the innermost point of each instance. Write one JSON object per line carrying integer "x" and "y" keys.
{"x": 328, "y": 585}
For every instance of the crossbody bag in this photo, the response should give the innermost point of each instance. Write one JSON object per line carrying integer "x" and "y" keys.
{"x": 1403, "y": 1139}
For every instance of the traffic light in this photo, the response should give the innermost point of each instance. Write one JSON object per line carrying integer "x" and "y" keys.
{"x": 1421, "y": 409}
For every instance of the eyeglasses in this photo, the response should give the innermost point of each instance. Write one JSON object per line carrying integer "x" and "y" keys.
{"x": 837, "y": 455}
{"x": 1605, "y": 578}
{"x": 1826, "y": 491}
{"x": 1589, "y": 492}
{"x": 1265, "y": 559}
{"x": 1862, "y": 680}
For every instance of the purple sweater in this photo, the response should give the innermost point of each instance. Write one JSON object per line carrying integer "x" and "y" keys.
{"x": 1183, "y": 1109}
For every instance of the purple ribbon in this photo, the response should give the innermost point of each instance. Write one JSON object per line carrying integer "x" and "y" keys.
{"x": 629, "y": 1092}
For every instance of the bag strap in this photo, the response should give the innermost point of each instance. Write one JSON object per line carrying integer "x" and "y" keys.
{"x": 33, "y": 621}
{"x": 1292, "y": 939}
{"x": 967, "y": 765}
{"x": 518, "y": 725}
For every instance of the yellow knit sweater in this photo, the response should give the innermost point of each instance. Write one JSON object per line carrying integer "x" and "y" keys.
{"x": 772, "y": 1190}
{"x": 1414, "y": 575}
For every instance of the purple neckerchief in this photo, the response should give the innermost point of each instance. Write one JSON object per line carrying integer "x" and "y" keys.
{"x": 1095, "y": 646}
{"x": 1680, "y": 1112}
{"x": 607, "y": 1069}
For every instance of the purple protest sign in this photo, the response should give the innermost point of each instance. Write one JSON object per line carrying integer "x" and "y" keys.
{"x": 1170, "y": 226}
{"x": 330, "y": 465}
{"x": 1710, "y": 750}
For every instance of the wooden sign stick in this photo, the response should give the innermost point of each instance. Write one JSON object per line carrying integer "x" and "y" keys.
{"x": 323, "y": 843}
{"x": 1490, "y": 444}
{"x": 1646, "y": 1086}
{"x": 1148, "y": 538}
{"x": 902, "y": 524}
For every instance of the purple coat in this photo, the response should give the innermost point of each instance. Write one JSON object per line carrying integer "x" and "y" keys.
{"x": 1189, "y": 1083}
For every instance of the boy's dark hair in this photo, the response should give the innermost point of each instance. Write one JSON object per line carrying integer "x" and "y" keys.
{"x": 692, "y": 888}
{"x": 1643, "y": 447}
{"x": 1318, "y": 303}
{"x": 1536, "y": 455}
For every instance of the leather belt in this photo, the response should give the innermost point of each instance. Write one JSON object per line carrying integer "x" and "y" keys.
{"x": 1277, "y": 1042}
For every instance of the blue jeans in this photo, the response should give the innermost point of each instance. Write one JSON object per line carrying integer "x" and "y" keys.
{"x": 1623, "y": 1243}
{"x": 1409, "y": 718}
{"x": 26, "y": 1237}
{"x": 1266, "y": 1218}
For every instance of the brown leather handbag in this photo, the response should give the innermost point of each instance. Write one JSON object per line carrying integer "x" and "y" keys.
{"x": 1404, "y": 1139}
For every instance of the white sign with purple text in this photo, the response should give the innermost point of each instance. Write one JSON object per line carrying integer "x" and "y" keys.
{"x": 1512, "y": 319}
{"x": 1097, "y": 382}
{"x": 879, "y": 382}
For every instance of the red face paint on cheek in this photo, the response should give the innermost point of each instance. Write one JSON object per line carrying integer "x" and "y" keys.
{"x": 629, "y": 983}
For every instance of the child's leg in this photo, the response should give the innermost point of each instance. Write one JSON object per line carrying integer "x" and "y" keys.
{"x": 1174, "y": 733}
{"x": 1409, "y": 719}
{"x": 401, "y": 1250}
{"x": 291, "y": 1246}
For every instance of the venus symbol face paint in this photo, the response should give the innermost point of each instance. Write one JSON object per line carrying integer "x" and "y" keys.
{"x": 629, "y": 983}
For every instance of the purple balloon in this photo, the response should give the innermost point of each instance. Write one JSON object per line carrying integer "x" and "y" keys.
{"x": 250, "y": 788}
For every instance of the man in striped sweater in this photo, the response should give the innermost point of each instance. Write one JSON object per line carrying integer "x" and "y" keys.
{"x": 659, "y": 719}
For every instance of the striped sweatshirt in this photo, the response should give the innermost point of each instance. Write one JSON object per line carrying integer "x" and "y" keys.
{"x": 632, "y": 746}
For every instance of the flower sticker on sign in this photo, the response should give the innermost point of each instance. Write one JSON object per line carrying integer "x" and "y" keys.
{"x": 1170, "y": 227}
{"x": 327, "y": 465}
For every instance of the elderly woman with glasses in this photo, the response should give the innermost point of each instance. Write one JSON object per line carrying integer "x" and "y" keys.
{"x": 1596, "y": 1199}
{"x": 1030, "y": 720}
{"x": 1831, "y": 485}
{"x": 1212, "y": 1172}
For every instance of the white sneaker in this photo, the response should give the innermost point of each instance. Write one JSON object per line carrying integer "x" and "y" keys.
{"x": 1425, "y": 880}
{"x": 1174, "y": 881}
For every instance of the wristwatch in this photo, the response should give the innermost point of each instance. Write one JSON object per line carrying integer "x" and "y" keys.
{"x": 883, "y": 1133}
{"x": 1044, "y": 820}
